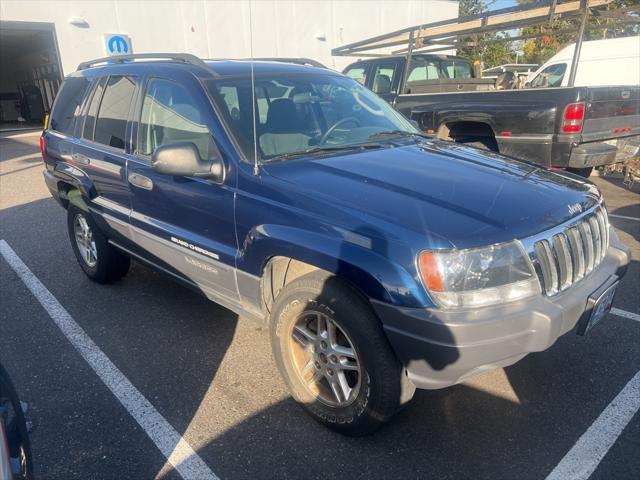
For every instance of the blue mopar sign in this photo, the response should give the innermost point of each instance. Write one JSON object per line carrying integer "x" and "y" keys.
{"x": 117, "y": 44}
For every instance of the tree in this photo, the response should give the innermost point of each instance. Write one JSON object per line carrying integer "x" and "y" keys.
{"x": 539, "y": 50}
{"x": 490, "y": 54}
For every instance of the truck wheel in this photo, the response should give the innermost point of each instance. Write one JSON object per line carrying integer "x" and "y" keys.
{"x": 100, "y": 261}
{"x": 583, "y": 172}
{"x": 334, "y": 356}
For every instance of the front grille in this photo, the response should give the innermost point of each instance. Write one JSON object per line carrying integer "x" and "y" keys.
{"x": 566, "y": 257}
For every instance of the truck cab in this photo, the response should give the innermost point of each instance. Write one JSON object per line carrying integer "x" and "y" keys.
{"x": 428, "y": 74}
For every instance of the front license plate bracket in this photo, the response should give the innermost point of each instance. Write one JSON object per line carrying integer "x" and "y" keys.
{"x": 599, "y": 305}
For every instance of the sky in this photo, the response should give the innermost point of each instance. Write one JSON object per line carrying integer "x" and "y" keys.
{"x": 502, "y": 4}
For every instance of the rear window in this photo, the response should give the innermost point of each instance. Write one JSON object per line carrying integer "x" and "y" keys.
{"x": 67, "y": 105}
{"x": 111, "y": 123}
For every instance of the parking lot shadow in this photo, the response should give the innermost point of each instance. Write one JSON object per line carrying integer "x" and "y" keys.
{"x": 166, "y": 339}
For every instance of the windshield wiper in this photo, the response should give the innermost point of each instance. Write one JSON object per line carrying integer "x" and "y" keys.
{"x": 325, "y": 149}
{"x": 397, "y": 133}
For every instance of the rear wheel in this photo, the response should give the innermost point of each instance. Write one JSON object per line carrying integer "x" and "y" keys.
{"x": 330, "y": 349}
{"x": 483, "y": 143}
{"x": 100, "y": 261}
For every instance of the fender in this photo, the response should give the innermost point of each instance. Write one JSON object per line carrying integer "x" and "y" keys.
{"x": 74, "y": 177}
{"x": 351, "y": 255}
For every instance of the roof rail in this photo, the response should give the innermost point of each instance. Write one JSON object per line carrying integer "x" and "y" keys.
{"x": 175, "y": 57}
{"x": 299, "y": 61}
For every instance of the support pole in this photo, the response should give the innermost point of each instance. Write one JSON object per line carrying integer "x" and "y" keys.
{"x": 578, "y": 48}
{"x": 403, "y": 84}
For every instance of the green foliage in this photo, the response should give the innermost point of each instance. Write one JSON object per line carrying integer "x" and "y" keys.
{"x": 490, "y": 54}
{"x": 539, "y": 50}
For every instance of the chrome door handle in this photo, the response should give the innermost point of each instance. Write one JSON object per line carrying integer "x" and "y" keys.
{"x": 140, "y": 181}
{"x": 81, "y": 159}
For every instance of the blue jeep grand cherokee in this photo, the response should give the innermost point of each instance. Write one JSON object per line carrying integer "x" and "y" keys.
{"x": 380, "y": 260}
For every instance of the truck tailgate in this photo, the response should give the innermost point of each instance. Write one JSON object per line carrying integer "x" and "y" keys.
{"x": 611, "y": 112}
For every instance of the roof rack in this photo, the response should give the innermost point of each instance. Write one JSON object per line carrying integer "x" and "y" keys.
{"x": 174, "y": 57}
{"x": 299, "y": 61}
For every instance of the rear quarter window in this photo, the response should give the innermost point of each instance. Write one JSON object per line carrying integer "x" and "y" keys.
{"x": 67, "y": 104}
{"x": 111, "y": 122}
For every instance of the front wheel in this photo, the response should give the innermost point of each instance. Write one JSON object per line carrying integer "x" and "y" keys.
{"x": 336, "y": 360}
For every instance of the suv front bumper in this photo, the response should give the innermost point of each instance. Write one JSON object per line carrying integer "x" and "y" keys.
{"x": 440, "y": 348}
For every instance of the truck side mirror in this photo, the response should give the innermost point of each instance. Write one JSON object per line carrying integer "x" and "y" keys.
{"x": 182, "y": 159}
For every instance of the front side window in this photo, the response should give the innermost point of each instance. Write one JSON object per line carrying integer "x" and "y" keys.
{"x": 67, "y": 105}
{"x": 111, "y": 122}
{"x": 170, "y": 115}
{"x": 303, "y": 112}
{"x": 550, "y": 77}
{"x": 357, "y": 73}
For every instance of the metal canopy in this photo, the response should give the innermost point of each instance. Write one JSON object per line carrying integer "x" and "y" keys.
{"x": 454, "y": 33}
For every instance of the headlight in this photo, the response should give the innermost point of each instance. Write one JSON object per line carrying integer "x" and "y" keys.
{"x": 478, "y": 277}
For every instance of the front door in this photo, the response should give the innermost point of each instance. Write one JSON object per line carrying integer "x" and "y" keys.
{"x": 184, "y": 225}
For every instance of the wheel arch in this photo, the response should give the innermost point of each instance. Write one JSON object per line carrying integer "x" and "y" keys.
{"x": 278, "y": 255}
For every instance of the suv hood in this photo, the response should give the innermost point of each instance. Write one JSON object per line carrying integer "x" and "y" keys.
{"x": 467, "y": 196}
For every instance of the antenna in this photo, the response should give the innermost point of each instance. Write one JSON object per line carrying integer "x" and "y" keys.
{"x": 256, "y": 167}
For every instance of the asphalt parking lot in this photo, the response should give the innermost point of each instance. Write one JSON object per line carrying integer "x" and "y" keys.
{"x": 211, "y": 376}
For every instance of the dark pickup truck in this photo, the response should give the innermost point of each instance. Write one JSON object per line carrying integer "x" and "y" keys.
{"x": 577, "y": 128}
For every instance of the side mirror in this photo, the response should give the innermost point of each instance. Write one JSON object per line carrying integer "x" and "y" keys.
{"x": 182, "y": 159}
{"x": 415, "y": 124}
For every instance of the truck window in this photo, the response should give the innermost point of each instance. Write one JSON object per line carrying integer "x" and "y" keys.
{"x": 357, "y": 73}
{"x": 67, "y": 104}
{"x": 423, "y": 70}
{"x": 456, "y": 69}
{"x": 550, "y": 77}
{"x": 111, "y": 123}
{"x": 383, "y": 78}
{"x": 169, "y": 115}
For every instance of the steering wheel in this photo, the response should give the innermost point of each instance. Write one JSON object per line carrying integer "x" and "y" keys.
{"x": 333, "y": 127}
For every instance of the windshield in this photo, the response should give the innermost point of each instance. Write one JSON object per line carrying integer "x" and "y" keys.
{"x": 550, "y": 77}
{"x": 304, "y": 112}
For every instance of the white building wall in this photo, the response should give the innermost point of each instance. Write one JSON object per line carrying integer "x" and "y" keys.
{"x": 221, "y": 28}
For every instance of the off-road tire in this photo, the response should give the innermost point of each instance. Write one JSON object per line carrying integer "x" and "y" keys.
{"x": 384, "y": 386}
{"x": 111, "y": 265}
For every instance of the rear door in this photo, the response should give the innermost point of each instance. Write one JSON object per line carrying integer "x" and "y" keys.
{"x": 104, "y": 140}
{"x": 184, "y": 224}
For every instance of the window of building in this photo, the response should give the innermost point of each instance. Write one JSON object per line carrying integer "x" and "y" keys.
{"x": 170, "y": 115}
{"x": 68, "y": 103}
{"x": 111, "y": 123}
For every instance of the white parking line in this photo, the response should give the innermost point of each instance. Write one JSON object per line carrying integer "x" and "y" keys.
{"x": 624, "y": 217}
{"x": 177, "y": 451}
{"x": 593, "y": 445}
{"x": 625, "y": 314}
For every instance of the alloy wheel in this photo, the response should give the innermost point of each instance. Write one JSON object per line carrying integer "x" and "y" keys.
{"x": 325, "y": 359}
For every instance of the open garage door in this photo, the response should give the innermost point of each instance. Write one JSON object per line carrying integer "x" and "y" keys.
{"x": 30, "y": 73}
